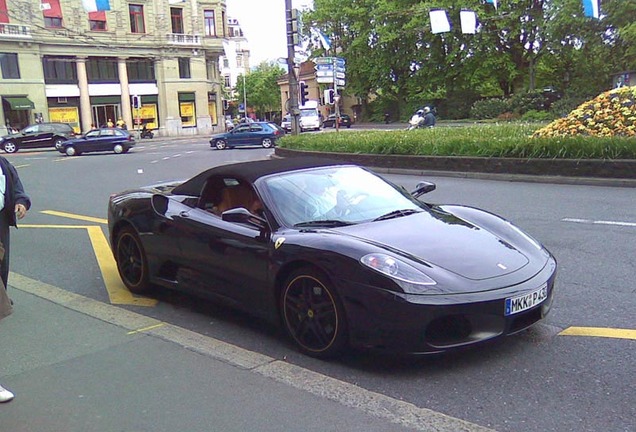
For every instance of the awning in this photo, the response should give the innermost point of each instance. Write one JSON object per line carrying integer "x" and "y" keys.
{"x": 19, "y": 103}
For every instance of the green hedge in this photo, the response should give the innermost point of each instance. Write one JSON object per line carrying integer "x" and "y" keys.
{"x": 497, "y": 140}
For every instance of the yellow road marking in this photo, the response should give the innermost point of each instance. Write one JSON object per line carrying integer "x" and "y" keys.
{"x": 145, "y": 329}
{"x": 22, "y": 166}
{"x": 117, "y": 291}
{"x": 74, "y": 216}
{"x": 600, "y": 332}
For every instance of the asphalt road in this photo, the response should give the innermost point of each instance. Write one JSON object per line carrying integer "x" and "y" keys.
{"x": 536, "y": 381}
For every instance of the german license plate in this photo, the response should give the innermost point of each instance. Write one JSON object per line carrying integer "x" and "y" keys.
{"x": 524, "y": 302}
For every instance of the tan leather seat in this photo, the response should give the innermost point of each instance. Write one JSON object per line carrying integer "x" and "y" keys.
{"x": 238, "y": 196}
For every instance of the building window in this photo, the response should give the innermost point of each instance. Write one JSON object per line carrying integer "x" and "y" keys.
{"x": 224, "y": 23}
{"x": 97, "y": 21}
{"x": 184, "y": 67}
{"x": 52, "y": 14}
{"x": 176, "y": 18}
{"x": 239, "y": 61}
{"x": 187, "y": 109}
{"x": 9, "y": 66}
{"x": 102, "y": 70}
{"x": 208, "y": 21}
{"x": 137, "y": 18}
{"x": 228, "y": 82}
{"x": 140, "y": 70}
{"x": 59, "y": 70}
{"x": 4, "y": 12}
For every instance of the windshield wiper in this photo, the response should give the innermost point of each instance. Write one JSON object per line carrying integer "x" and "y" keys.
{"x": 322, "y": 223}
{"x": 396, "y": 213}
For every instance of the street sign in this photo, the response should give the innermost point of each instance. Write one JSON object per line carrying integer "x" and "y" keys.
{"x": 323, "y": 73}
{"x": 323, "y": 60}
{"x": 340, "y": 61}
{"x": 320, "y": 67}
{"x": 341, "y": 82}
{"x": 324, "y": 80}
{"x": 339, "y": 75}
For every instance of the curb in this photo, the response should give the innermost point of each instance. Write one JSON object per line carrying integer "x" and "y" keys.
{"x": 592, "y": 172}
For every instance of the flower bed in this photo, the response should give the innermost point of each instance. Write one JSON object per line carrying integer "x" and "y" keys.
{"x": 611, "y": 114}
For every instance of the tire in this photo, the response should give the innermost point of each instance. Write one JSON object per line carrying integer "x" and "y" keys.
{"x": 10, "y": 147}
{"x": 267, "y": 142}
{"x": 58, "y": 142}
{"x": 220, "y": 144}
{"x": 312, "y": 314}
{"x": 118, "y": 148}
{"x": 71, "y": 151}
{"x": 126, "y": 149}
{"x": 131, "y": 261}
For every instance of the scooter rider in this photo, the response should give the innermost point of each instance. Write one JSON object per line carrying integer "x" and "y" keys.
{"x": 429, "y": 118}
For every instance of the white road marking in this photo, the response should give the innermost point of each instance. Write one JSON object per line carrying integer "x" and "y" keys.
{"x": 599, "y": 222}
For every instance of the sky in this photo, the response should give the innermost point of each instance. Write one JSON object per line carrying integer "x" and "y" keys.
{"x": 263, "y": 24}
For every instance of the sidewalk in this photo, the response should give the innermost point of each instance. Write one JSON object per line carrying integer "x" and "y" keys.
{"x": 78, "y": 365}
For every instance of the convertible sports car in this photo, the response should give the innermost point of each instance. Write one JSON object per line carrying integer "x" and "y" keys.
{"x": 337, "y": 254}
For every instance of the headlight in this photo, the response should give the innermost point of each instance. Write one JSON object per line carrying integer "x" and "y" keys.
{"x": 407, "y": 276}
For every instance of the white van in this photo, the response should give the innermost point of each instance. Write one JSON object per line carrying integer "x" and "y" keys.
{"x": 309, "y": 116}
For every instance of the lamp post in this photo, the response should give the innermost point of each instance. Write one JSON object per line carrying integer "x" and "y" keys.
{"x": 244, "y": 99}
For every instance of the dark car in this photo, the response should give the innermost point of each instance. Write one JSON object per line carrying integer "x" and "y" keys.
{"x": 247, "y": 134}
{"x": 336, "y": 254}
{"x": 99, "y": 140}
{"x": 37, "y": 136}
{"x": 330, "y": 121}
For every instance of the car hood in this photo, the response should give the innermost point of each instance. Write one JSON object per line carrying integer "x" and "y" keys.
{"x": 445, "y": 241}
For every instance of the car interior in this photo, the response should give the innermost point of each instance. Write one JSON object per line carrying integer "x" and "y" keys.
{"x": 219, "y": 195}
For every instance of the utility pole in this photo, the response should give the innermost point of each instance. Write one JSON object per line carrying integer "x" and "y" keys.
{"x": 292, "y": 36}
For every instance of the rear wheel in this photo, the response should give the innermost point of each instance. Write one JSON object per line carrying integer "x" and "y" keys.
{"x": 10, "y": 147}
{"x": 267, "y": 142}
{"x": 313, "y": 314}
{"x": 118, "y": 148}
{"x": 220, "y": 144}
{"x": 131, "y": 261}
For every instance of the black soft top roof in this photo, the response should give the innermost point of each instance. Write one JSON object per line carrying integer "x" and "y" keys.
{"x": 251, "y": 171}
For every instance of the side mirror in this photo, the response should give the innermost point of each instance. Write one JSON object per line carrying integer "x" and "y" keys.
{"x": 422, "y": 188}
{"x": 242, "y": 215}
{"x": 160, "y": 204}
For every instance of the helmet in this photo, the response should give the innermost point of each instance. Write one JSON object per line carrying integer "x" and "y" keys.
{"x": 419, "y": 112}
{"x": 427, "y": 109}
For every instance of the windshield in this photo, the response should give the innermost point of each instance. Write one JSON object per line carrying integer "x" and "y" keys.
{"x": 346, "y": 195}
{"x": 309, "y": 112}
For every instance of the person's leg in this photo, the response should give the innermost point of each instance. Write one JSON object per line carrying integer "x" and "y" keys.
{"x": 4, "y": 238}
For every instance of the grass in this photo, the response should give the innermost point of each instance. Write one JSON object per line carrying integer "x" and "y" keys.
{"x": 495, "y": 140}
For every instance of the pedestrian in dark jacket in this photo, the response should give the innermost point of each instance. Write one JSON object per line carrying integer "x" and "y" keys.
{"x": 14, "y": 204}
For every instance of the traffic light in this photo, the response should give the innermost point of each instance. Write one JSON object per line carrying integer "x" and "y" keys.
{"x": 304, "y": 93}
{"x": 330, "y": 96}
{"x": 136, "y": 102}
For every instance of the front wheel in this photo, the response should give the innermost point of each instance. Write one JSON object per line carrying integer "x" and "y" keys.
{"x": 312, "y": 314}
{"x": 10, "y": 147}
{"x": 267, "y": 142}
{"x": 71, "y": 151}
{"x": 220, "y": 144}
{"x": 131, "y": 261}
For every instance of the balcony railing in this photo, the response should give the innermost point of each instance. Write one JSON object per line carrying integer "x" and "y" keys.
{"x": 183, "y": 39}
{"x": 15, "y": 31}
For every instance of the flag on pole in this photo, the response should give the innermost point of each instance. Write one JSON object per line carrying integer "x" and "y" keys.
{"x": 468, "y": 20}
{"x": 96, "y": 5}
{"x": 325, "y": 41}
{"x": 439, "y": 21}
{"x": 492, "y": 2}
{"x": 590, "y": 8}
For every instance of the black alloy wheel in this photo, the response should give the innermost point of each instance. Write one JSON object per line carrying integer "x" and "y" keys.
{"x": 313, "y": 315}
{"x": 59, "y": 143}
{"x": 131, "y": 261}
{"x": 267, "y": 142}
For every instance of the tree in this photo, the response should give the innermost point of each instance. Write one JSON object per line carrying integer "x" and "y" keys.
{"x": 261, "y": 89}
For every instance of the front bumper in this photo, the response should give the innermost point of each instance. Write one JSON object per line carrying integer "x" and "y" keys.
{"x": 416, "y": 324}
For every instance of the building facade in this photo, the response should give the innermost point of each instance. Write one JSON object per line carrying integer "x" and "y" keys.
{"x": 235, "y": 61}
{"x": 150, "y": 62}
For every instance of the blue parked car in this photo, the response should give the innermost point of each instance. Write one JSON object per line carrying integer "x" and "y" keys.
{"x": 246, "y": 134}
{"x": 99, "y": 140}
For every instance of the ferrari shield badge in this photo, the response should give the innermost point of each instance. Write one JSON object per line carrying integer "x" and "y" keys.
{"x": 279, "y": 242}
